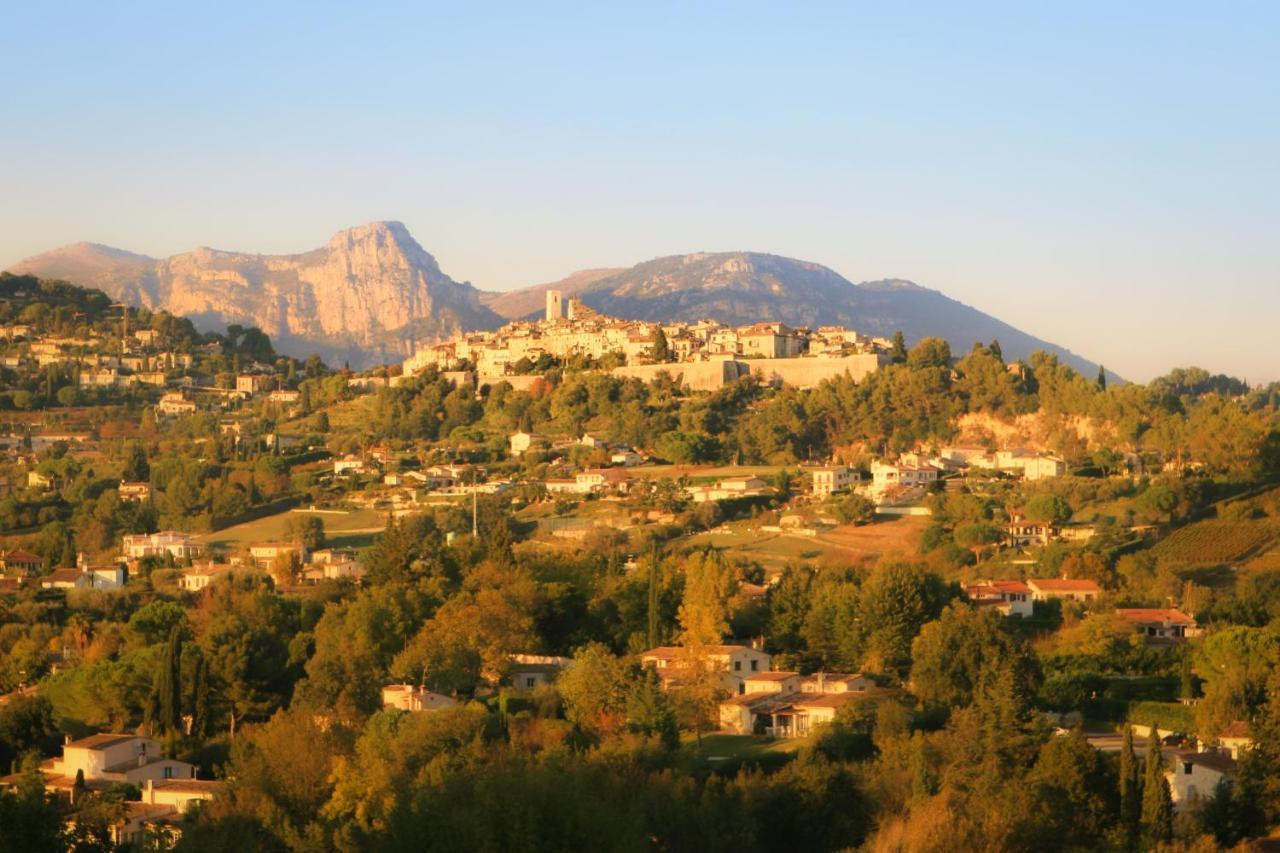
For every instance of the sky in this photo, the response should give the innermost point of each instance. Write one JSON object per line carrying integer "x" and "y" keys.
{"x": 1103, "y": 175}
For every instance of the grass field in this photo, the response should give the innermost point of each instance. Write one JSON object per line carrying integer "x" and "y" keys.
{"x": 1217, "y": 540}
{"x": 708, "y": 472}
{"x": 731, "y": 751}
{"x": 354, "y": 529}
{"x": 845, "y": 544}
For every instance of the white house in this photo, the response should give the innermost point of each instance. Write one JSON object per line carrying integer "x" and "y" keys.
{"x": 529, "y": 671}
{"x": 735, "y": 661}
{"x": 833, "y": 478}
{"x": 885, "y": 475}
{"x": 1160, "y": 625}
{"x": 1195, "y": 775}
{"x": 1076, "y": 589}
{"x": 167, "y": 542}
{"x": 348, "y": 465}
{"x": 727, "y": 489}
{"x": 407, "y": 697}
{"x": 1010, "y": 597}
{"x": 522, "y": 442}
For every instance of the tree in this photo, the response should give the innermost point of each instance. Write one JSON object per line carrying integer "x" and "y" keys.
{"x": 1157, "y": 801}
{"x": 594, "y": 689}
{"x": 661, "y": 348}
{"x": 168, "y": 687}
{"x": 1102, "y": 378}
{"x": 311, "y": 533}
{"x": 853, "y": 509}
{"x": 649, "y": 710}
{"x": 954, "y": 654}
{"x": 893, "y": 604}
{"x": 977, "y": 537}
{"x": 898, "y": 352}
{"x": 1130, "y": 788}
{"x": 1048, "y": 509}
{"x": 136, "y": 467}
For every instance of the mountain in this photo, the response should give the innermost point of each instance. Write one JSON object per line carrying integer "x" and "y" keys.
{"x": 372, "y": 293}
{"x": 367, "y": 297}
{"x": 748, "y": 287}
{"x": 514, "y": 304}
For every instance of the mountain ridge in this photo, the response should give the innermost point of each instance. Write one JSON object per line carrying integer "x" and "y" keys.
{"x": 369, "y": 295}
{"x": 372, "y": 293}
{"x": 744, "y": 287}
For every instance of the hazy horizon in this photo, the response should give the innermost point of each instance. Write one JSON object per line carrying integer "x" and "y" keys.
{"x": 1103, "y": 178}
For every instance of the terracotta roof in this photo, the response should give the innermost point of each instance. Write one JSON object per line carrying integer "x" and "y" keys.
{"x": 772, "y": 676}
{"x": 1064, "y": 585}
{"x": 826, "y": 700}
{"x": 1147, "y": 615}
{"x": 1221, "y": 762}
{"x": 997, "y": 586}
{"x": 22, "y": 556}
{"x": 102, "y": 741}
{"x": 1237, "y": 729}
{"x": 673, "y": 652}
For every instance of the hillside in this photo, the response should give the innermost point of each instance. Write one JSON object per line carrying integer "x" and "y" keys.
{"x": 368, "y": 296}
{"x": 747, "y": 287}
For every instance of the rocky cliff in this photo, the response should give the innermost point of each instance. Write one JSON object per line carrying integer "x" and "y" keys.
{"x": 369, "y": 296}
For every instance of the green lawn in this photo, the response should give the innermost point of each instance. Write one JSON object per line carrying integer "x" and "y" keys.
{"x": 731, "y": 751}
{"x": 354, "y": 529}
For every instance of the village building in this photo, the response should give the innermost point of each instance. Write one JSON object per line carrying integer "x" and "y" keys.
{"x": 735, "y": 661}
{"x": 1195, "y": 775}
{"x": 19, "y": 561}
{"x": 407, "y": 697}
{"x": 1045, "y": 589}
{"x": 250, "y": 384}
{"x": 264, "y": 554}
{"x": 888, "y": 475}
{"x": 522, "y": 442}
{"x": 134, "y": 492}
{"x": 1010, "y": 597}
{"x": 1160, "y": 625}
{"x": 348, "y": 465}
{"x": 833, "y": 478}
{"x": 526, "y": 672}
{"x": 166, "y": 543}
{"x": 728, "y": 488}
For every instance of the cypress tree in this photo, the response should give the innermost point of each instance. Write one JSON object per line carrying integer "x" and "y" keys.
{"x": 653, "y": 597}
{"x": 1157, "y": 802}
{"x": 899, "y": 351}
{"x": 169, "y": 684}
{"x": 200, "y": 699}
{"x": 1102, "y": 378}
{"x": 1130, "y": 787}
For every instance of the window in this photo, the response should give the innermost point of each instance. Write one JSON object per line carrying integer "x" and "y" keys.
{"x": 528, "y": 682}
{"x": 168, "y": 772}
{"x": 1186, "y": 768}
{"x": 755, "y": 666}
{"x": 737, "y": 666}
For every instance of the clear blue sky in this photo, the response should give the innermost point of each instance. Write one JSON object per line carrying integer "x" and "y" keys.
{"x": 1106, "y": 175}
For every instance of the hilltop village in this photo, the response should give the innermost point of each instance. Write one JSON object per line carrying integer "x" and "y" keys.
{"x": 705, "y": 355}
{"x": 621, "y": 576}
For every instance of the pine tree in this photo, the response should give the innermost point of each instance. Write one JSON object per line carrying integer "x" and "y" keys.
{"x": 653, "y": 597}
{"x": 1157, "y": 802}
{"x": 1130, "y": 787}
{"x": 996, "y": 350}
